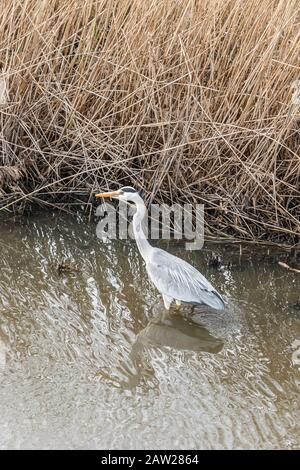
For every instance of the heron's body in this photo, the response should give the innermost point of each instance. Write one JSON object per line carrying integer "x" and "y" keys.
{"x": 173, "y": 277}
{"x": 176, "y": 279}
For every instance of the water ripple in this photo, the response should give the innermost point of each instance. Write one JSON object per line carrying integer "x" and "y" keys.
{"x": 89, "y": 358}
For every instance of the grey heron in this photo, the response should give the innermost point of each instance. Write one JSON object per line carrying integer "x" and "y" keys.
{"x": 173, "y": 277}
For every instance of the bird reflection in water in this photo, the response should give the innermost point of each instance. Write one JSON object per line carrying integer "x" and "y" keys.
{"x": 170, "y": 331}
{"x": 177, "y": 332}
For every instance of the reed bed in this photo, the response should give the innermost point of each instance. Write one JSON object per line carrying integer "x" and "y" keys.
{"x": 190, "y": 100}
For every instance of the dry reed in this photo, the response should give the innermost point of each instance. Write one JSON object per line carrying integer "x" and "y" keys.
{"x": 191, "y": 100}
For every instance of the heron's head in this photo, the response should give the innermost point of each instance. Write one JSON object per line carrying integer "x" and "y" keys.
{"x": 127, "y": 193}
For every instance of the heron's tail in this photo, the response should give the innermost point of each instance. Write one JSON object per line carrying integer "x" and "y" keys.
{"x": 214, "y": 300}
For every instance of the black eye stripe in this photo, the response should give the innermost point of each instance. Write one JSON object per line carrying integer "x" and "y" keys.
{"x": 128, "y": 189}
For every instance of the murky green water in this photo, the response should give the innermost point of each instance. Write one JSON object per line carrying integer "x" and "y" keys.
{"x": 88, "y": 360}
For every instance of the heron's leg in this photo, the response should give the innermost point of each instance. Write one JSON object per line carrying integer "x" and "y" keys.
{"x": 178, "y": 303}
{"x": 167, "y": 301}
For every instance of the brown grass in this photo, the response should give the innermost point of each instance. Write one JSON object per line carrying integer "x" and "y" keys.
{"x": 193, "y": 101}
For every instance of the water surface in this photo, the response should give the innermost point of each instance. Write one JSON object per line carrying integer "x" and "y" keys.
{"x": 90, "y": 359}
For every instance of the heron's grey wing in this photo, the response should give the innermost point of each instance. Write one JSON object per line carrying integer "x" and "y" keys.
{"x": 178, "y": 279}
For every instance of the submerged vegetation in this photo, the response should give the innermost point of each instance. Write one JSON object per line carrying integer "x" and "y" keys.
{"x": 193, "y": 100}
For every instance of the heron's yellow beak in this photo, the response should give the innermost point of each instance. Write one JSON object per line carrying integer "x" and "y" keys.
{"x": 109, "y": 194}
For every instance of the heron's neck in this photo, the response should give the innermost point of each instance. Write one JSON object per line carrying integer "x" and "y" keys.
{"x": 139, "y": 234}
